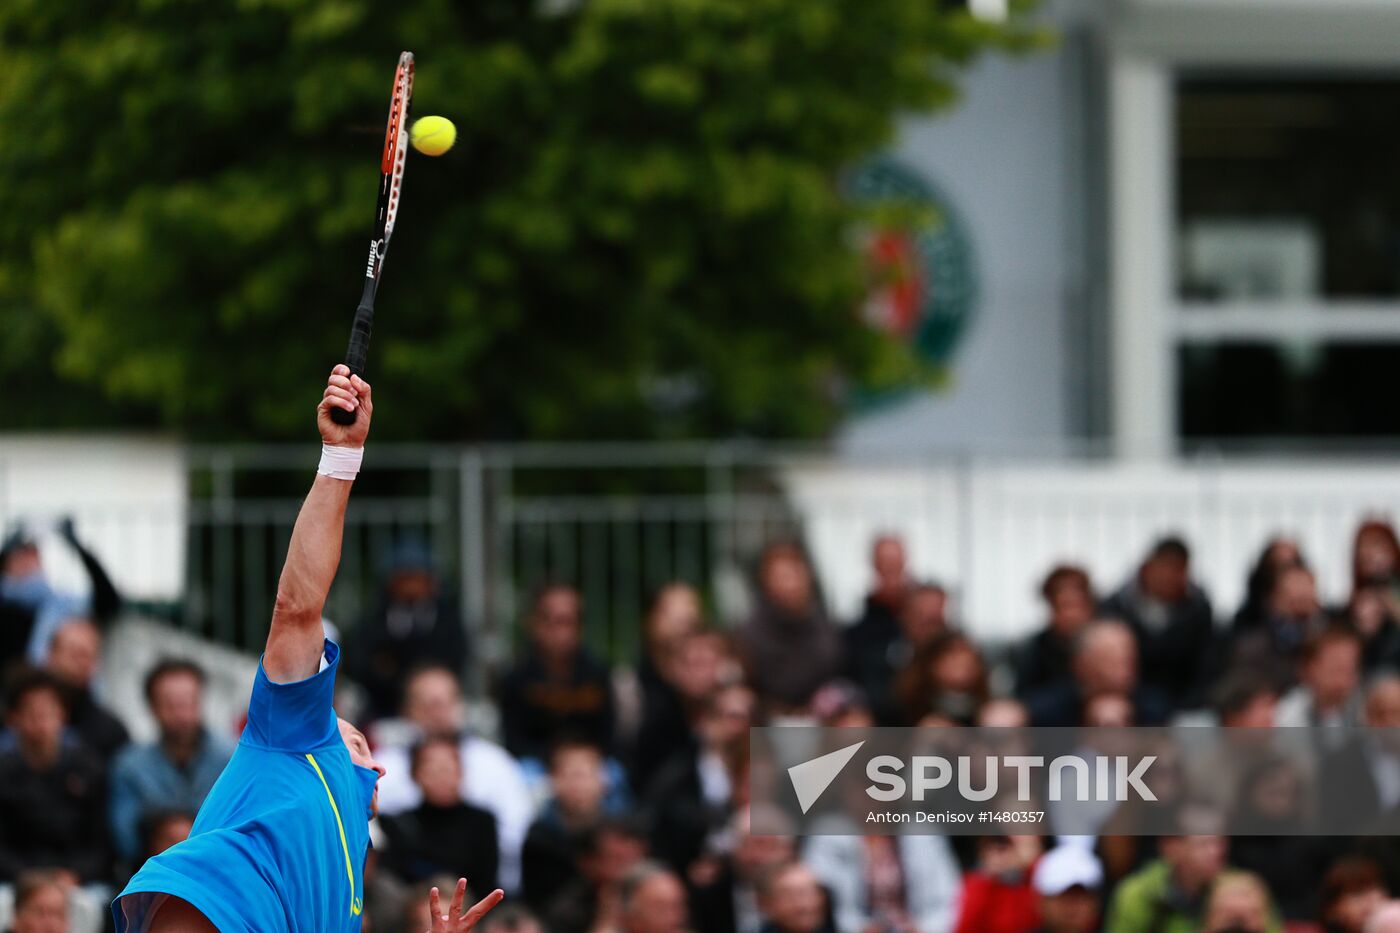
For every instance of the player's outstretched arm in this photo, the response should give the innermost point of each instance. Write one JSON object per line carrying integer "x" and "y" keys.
{"x": 454, "y": 921}
{"x": 295, "y": 641}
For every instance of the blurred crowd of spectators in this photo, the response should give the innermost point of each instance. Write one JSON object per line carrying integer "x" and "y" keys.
{"x": 615, "y": 798}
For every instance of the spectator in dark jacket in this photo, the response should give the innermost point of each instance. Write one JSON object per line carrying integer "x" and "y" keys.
{"x": 1172, "y": 619}
{"x": 557, "y": 687}
{"x": 868, "y": 640}
{"x": 444, "y": 834}
{"x": 1372, "y": 613}
{"x": 1245, "y": 699}
{"x": 702, "y": 663}
{"x": 1044, "y": 660}
{"x": 416, "y": 622}
{"x": 1105, "y": 662}
{"x": 692, "y": 799}
{"x": 922, "y": 618}
{"x": 1292, "y": 615}
{"x": 591, "y": 901}
{"x": 793, "y": 901}
{"x": 578, "y": 802}
{"x": 724, "y": 888}
{"x": 1279, "y": 554}
{"x": 1355, "y": 780}
{"x": 53, "y": 801}
{"x": 491, "y": 778}
{"x": 1269, "y": 809}
{"x": 789, "y": 646}
{"x": 664, "y": 726}
{"x": 74, "y": 659}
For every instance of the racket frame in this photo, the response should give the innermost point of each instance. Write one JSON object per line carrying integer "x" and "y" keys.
{"x": 392, "y": 162}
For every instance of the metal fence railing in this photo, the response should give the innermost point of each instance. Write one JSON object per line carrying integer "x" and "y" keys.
{"x": 618, "y": 522}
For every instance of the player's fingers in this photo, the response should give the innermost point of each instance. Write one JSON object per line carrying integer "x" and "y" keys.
{"x": 459, "y": 897}
{"x": 340, "y": 369}
{"x": 340, "y": 381}
{"x": 361, "y": 387}
{"x": 483, "y": 907}
{"x": 337, "y": 401}
{"x": 434, "y": 905}
{"x": 342, "y": 394}
{"x": 364, "y": 391}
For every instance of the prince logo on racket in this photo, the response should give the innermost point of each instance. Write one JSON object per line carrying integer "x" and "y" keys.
{"x": 374, "y": 249}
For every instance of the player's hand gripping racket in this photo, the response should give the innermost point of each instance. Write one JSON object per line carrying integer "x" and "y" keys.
{"x": 391, "y": 167}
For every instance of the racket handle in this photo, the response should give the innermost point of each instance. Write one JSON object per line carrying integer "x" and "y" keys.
{"x": 355, "y": 354}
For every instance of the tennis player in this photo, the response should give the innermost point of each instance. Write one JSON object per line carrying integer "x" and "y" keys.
{"x": 279, "y": 845}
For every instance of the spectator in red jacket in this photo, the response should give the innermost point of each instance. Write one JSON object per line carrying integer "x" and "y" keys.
{"x": 998, "y": 896}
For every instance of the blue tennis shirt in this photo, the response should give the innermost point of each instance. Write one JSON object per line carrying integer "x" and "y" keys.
{"x": 279, "y": 844}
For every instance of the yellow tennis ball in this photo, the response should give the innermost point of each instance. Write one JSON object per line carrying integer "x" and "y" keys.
{"x": 432, "y": 135}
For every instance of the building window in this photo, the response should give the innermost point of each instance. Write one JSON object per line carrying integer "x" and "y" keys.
{"x": 1252, "y": 390}
{"x": 1286, "y": 278}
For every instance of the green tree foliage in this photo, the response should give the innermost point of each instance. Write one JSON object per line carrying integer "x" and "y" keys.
{"x": 640, "y": 232}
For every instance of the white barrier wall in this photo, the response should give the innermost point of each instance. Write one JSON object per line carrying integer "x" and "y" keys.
{"x": 127, "y": 497}
{"x": 991, "y": 531}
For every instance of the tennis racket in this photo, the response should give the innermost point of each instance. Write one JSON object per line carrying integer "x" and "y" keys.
{"x": 391, "y": 166}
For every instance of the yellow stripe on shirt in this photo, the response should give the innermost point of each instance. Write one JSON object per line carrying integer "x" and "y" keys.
{"x": 355, "y": 903}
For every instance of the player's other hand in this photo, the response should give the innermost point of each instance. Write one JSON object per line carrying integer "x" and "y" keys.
{"x": 454, "y": 921}
{"x": 352, "y": 394}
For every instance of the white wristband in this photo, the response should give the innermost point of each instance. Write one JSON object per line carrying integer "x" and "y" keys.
{"x": 340, "y": 462}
